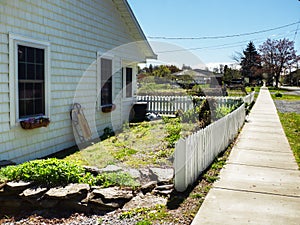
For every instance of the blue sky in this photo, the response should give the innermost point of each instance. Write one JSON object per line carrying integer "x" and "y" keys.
{"x": 198, "y": 18}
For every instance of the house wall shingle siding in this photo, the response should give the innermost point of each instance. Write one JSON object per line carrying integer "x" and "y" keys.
{"x": 76, "y": 30}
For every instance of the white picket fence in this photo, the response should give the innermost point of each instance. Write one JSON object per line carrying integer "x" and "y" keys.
{"x": 249, "y": 98}
{"x": 168, "y": 105}
{"x": 196, "y": 152}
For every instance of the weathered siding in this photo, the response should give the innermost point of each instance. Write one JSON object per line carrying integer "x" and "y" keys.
{"x": 76, "y": 30}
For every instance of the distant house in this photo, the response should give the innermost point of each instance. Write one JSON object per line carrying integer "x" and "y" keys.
{"x": 196, "y": 76}
{"x": 56, "y": 53}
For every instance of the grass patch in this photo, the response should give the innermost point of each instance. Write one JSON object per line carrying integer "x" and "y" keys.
{"x": 291, "y": 126}
{"x": 138, "y": 145}
{"x": 281, "y": 96}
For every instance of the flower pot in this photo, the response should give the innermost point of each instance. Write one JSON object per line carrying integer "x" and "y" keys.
{"x": 108, "y": 108}
{"x": 32, "y": 123}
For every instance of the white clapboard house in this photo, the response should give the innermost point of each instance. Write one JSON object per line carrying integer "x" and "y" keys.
{"x": 54, "y": 53}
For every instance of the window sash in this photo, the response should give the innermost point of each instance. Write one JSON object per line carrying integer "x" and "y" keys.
{"x": 128, "y": 88}
{"x": 31, "y": 82}
{"x": 106, "y": 81}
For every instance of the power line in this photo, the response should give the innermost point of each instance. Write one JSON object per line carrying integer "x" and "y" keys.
{"x": 224, "y": 36}
{"x": 221, "y": 46}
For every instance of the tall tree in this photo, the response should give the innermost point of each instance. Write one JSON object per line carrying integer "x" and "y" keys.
{"x": 250, "y": 63}
{"x": 277, "y": 55}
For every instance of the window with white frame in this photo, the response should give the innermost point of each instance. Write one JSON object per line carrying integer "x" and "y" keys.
{"x": 29, "y": 77}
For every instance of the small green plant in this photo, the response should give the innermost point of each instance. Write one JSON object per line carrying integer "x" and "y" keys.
{"x": 107, "y": 132}
{"x": 278, "y": 94}
{"x": 173, "y": 128}
{"x": 122, "y": 153}
{"x": 116, "y": 179}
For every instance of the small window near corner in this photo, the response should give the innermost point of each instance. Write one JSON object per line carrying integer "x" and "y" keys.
{"x": 128, "y": 83}
{"x": 106, "y": 82}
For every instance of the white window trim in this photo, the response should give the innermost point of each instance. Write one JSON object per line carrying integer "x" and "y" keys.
{"x": 100, "y": 56}
{"x": 14, "y": 41}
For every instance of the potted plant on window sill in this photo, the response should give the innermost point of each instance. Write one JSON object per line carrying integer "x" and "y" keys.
{"x": 108, "y": 108}
{"x": 35, "y": 122}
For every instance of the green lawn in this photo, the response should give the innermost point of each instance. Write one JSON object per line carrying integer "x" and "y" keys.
{"x": 291, "y": 126}
{"x": 286, "y": 97}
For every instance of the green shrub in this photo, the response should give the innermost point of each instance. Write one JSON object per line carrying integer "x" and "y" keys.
{"x": 54, "y": 172}
{"x": 173, "y": 128}
{"x": 278, "y": 94}
{"x": 223, "y": 111}
{"x": 49, "y": 172}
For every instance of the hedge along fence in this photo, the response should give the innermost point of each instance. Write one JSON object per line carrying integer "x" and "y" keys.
{"x": 196, "y": 152}
{"x": 169, "y": 105}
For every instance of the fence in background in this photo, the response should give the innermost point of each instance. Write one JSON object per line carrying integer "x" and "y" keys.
{"x": 169, "y": 105}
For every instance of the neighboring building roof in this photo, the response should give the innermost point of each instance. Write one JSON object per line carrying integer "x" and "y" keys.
{"x": 133, "y": 25}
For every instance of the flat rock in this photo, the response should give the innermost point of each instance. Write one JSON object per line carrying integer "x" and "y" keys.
{"x": 33, "y": 192}
{"x": 134, "y": 173}
{"x": 99, "y": 205}
{"x": 145, "y": 201}
{"x": 111, "y": 169}
{"x": 162, "y": 192}
{"x": 148, "y": 187}
{"x": 17, "y": 186}
{"x": 165, "y": 187}
{"x": 70, "y": 191}
{"x": 112, "y": 193}
{"x": 162, "y": 175}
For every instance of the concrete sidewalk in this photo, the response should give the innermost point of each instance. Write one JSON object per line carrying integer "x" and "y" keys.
{"x": 260, "y": 183}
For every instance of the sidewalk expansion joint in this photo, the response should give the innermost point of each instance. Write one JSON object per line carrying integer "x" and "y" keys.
{"x": 263, "y": 150}
{"x": 256, "y": 192}
{"x": 269, "y": 167}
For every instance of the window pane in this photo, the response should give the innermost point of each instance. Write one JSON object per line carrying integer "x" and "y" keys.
{"x": 29, "y": 107}
{"x": 39, "y": 90}
{"x": 39, "y": 56}
{"x": 22, "y": 71}
{"x": 28, "y": 90}
{"x": 21, "y": 90}
{"x": 30, "y": 72}
{"x": 30, "y": 55}
{"x": 39, "y": 107}
{"x": 40, "y": 72}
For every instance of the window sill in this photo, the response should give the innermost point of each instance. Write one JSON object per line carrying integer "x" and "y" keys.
{"x": 34, "y": 122}
{"x": 108, "y": 108}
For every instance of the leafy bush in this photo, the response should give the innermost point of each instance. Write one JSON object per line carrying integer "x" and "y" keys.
{"x": 223, "y": 111}
{"x": 278, "y": 94}
{"x": 173, "y": 128}
{"x": 54, "y": 172}
{"x": 49, "y": 172}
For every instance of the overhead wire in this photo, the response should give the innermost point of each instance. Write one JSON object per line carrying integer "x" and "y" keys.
{"x": 224, "y": 46}
{"x": 224, "y": 36}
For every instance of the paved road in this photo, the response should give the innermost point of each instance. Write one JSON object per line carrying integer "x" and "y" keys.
{"x": 260, "y": 183}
